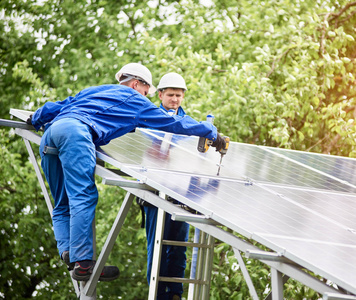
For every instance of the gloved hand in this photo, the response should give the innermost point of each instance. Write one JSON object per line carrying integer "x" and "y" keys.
{"x": 29, "y": 120}
{"x": 219, "y": 143}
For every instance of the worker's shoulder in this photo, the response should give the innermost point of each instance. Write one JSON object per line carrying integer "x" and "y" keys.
{"x": 107, "y": 89}
{"x": 122, "y": 89}
{"x": 115, "y": 92}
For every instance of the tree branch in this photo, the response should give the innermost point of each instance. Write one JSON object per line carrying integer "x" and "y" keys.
{"x": 323, "y": 30}
{"x": 337, "y": 15}
{"x": 317, "y": 143}
{"x": 332, "y": 144}
{"x": 11, "y": 190}
{"x": 347, "y": 18}
{"x": 277, "y": 60}
{"x": 132, "y": 22}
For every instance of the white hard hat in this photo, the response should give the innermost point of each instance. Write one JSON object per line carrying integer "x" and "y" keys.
{"x": 172, "y": 80}
{"x": 137, "y": 70}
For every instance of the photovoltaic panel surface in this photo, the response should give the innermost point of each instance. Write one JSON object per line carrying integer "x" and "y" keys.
{"x": 155, "y": 149}
{"x": 296, "y": 203}
{"x": 339, "y": 167}
{"x": 305, "y": 213}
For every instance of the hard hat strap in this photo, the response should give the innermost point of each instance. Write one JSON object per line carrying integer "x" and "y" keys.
{"x": 130, "y": 77}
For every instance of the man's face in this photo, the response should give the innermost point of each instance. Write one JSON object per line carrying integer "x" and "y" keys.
{"x": 171, "y": 98}
{"x": 141, "y": 87}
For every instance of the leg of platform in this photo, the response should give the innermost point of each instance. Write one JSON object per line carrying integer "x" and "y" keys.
{"x": 39, "y": 176}
{"x": 198, "y": 272}
{"x": 156, "y": 260}
{"x": 83, "y": 296}
{"x": 194, "y": 264}
{"x": 198, "y": 290}
{"x": 246, "y": 275}
{"x": 109, "y": 243}
{"x": 277, "y": 284}
{"x": 208, "y": 265}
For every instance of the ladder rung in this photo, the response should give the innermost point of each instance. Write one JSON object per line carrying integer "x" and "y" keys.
{"x": 186, "y": 244}
{"x": 182, "y": 280}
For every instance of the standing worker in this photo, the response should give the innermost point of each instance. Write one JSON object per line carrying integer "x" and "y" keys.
{"x": 171, "y": 91}
{"x": 74, "y": 127}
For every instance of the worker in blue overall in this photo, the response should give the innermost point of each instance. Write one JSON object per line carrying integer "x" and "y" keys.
{"x": 171, "y": 91}
{"x": 75, "y": 126}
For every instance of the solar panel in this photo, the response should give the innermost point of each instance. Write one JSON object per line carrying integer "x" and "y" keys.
{"x": 303, "y": 210}
{"x": 243, "y": 161}
{"x": 299, "y": 204}
{"x": 343, "y": 168}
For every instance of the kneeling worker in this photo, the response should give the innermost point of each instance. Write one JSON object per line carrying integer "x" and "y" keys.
{"x": 75, "y": 126}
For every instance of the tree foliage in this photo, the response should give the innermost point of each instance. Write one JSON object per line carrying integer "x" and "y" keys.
{"x": 278, "y": 73}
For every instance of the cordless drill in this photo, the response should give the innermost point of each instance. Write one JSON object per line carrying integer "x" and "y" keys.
{"x": 204, "y": 143}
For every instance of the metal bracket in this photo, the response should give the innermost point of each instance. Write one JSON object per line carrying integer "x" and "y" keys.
{"x": 270, "y": 256}
{"x": 110, "y": 178}
{"x": 193, "y": 219}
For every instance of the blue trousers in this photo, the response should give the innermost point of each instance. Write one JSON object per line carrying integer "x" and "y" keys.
{"x": 70, "y": 176}
{"x": 173, "y": 258}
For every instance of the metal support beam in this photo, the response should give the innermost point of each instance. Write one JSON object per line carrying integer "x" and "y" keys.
{"x": 193, "y": 218}
{"x": 193, "y": 267}
{"x": 181, "y": 280}
{"x": 28, "y": 135}
{"x": 39, "y": 176}
{"x": 83, "y": 296}
{"x": 184, "y": 244}
{"x": 203, "y": 259}
{"x": 208, "y": 266}
{"x": 16, "y": 124}
{"x": 109, "y": 243}
{"x": 301, "y": 276}
{"x": 199, "y": 267}
{"x": 264, "y": 255}
{"x": 246, "y": 275}
{"x": 277, "y": 284}
{"x": 109, "y": 179}
{"x": 156, "y": 260}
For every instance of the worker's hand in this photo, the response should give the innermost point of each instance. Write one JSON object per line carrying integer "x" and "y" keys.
{"x": 219, "y": 143}
{"x": 29, "y": 120}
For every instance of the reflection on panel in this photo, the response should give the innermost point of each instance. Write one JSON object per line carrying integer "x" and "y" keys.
{"x": 343, "y": 168}
{"x": 155, "y": 149}
{"x": 293, "y": 203}
{"x": 339, "y": 208}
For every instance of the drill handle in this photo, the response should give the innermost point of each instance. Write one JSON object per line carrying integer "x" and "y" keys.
{"x": 204, "y": 144}
{"x": 223, "y": 151}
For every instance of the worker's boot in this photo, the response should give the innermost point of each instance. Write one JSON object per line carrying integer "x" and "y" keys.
{"x": 65, "y": 258}
{"x": 84, "y": 269}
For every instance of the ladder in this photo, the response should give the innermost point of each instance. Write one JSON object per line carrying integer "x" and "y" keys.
{"x": 202, "y": 259}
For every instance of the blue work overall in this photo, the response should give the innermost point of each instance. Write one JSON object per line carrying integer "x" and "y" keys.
{"x": 70, "y": 176}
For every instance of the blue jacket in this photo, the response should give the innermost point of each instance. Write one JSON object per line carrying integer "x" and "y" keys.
{"x": 114, "y": 110}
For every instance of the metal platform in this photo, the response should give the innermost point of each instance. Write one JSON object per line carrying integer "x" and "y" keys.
{"x": 300, "y": 205}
